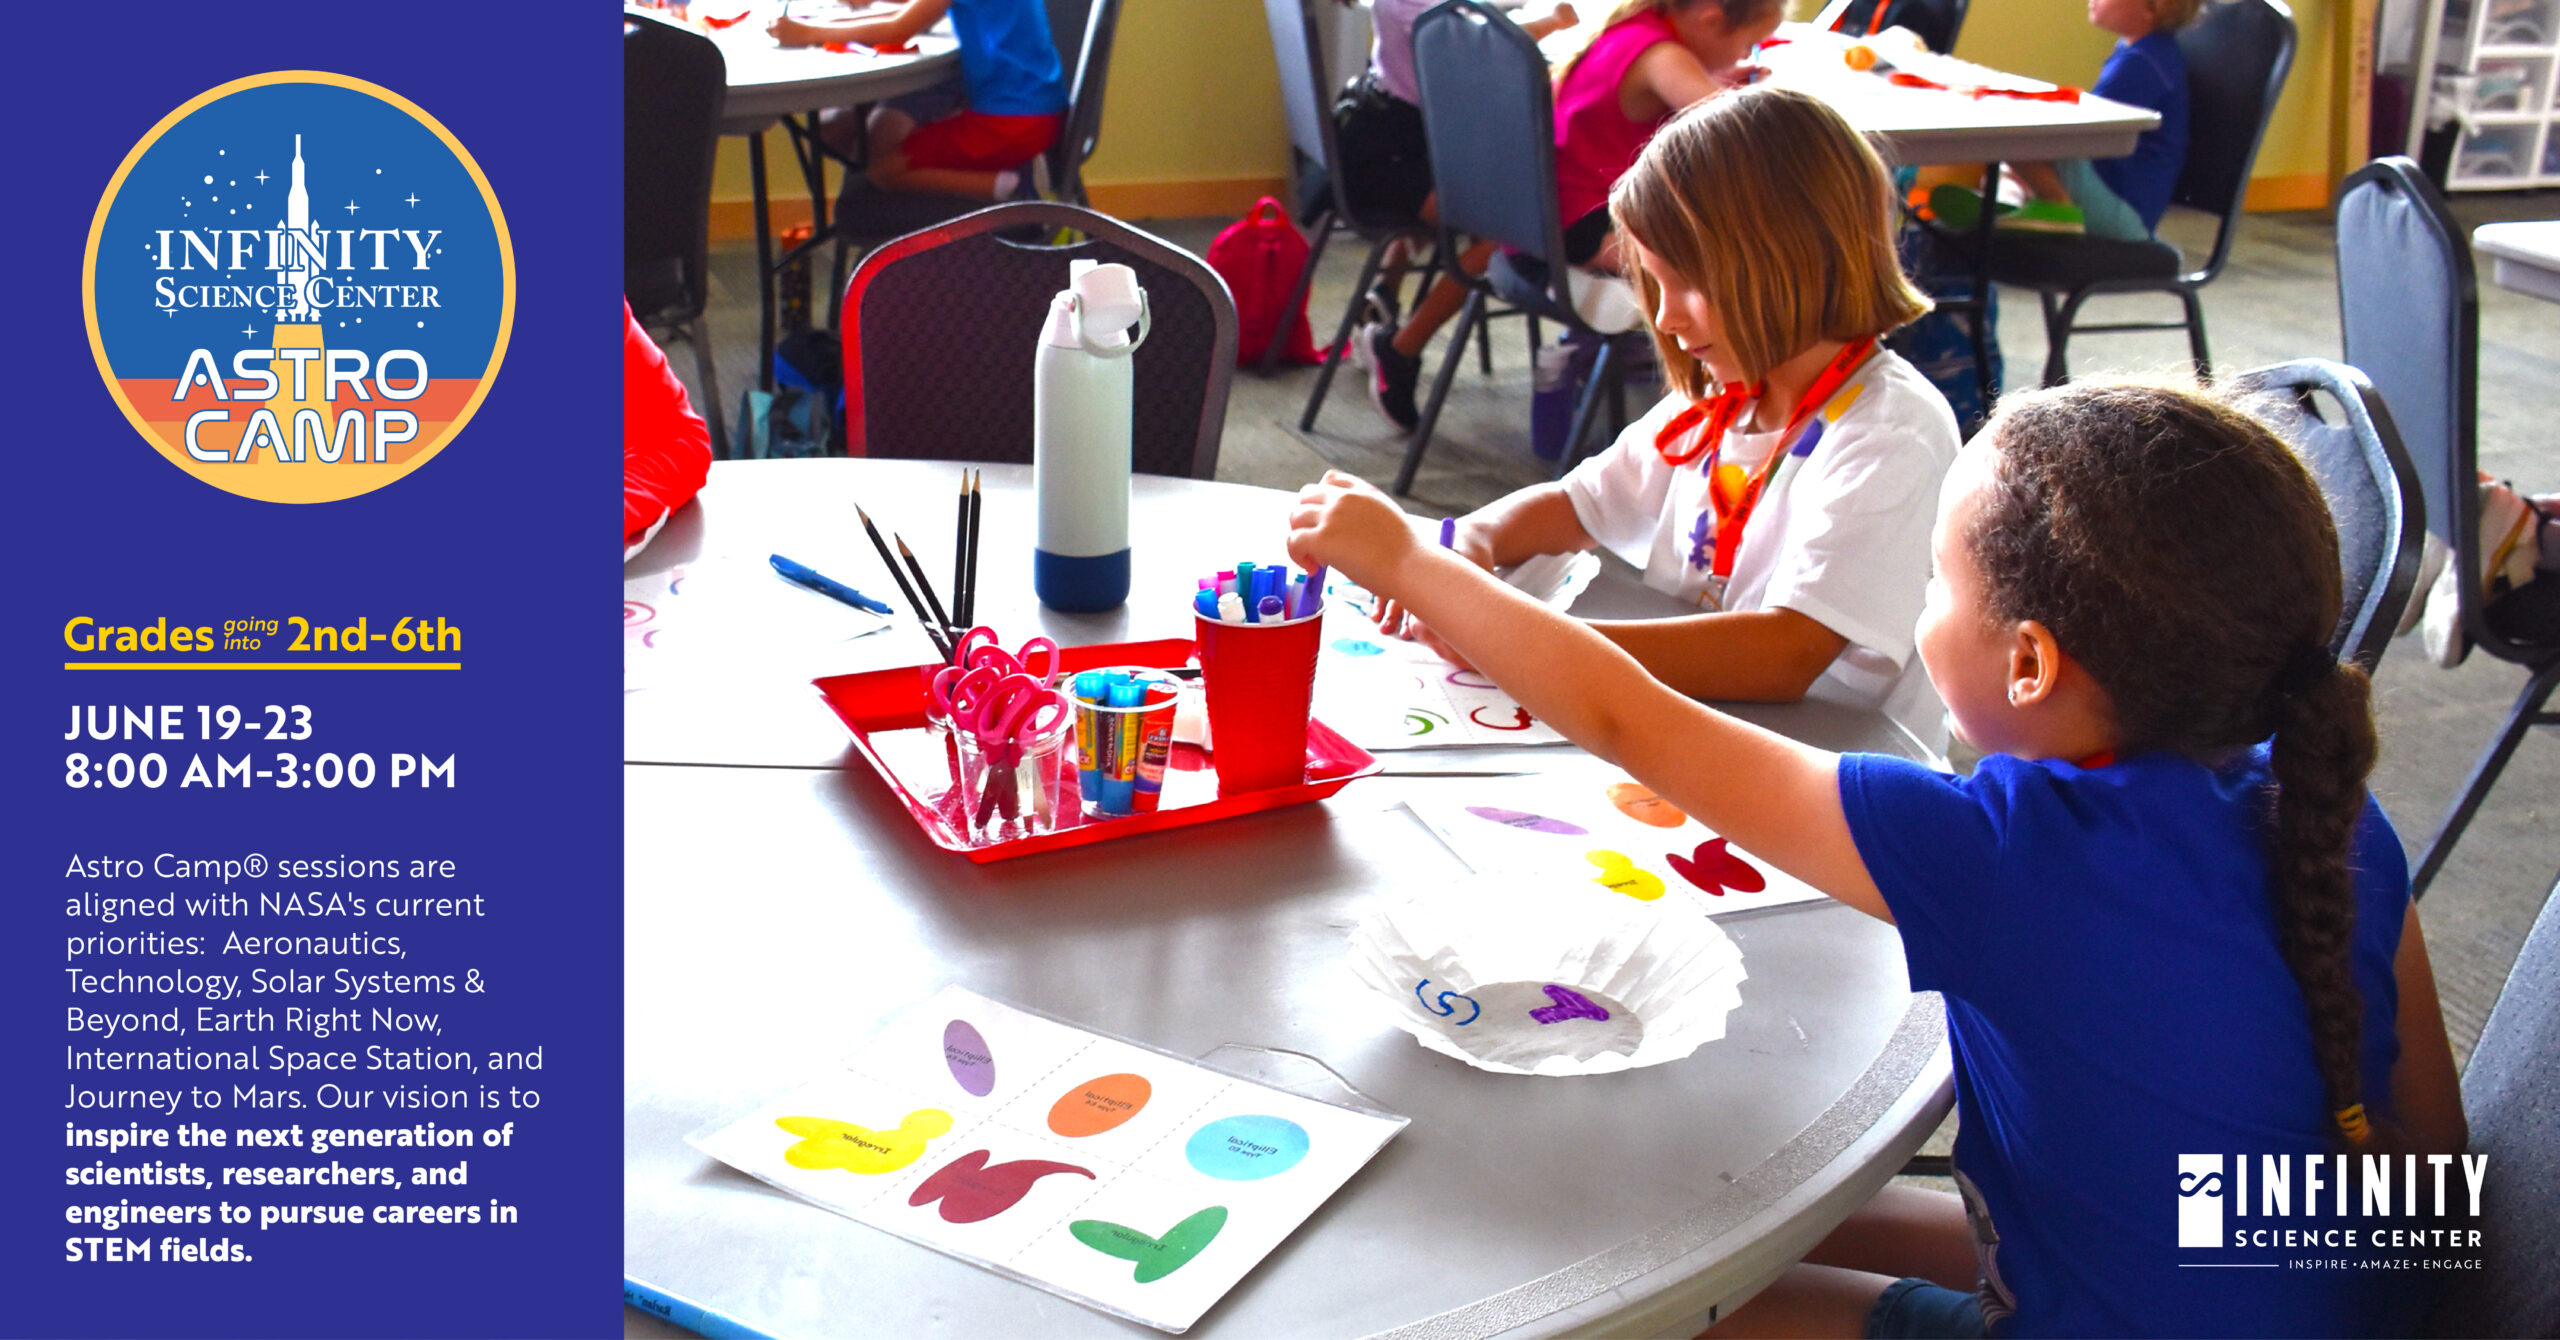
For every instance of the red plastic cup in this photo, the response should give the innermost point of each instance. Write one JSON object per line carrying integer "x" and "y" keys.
{"x": 1260, "y": 679}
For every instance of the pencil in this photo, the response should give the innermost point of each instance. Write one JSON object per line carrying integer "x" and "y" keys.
{"x": 890, "y": 562}
{"x": 931, "y": 601}
{"x": 960, "y": 554}
{"x": 977, "y": 524}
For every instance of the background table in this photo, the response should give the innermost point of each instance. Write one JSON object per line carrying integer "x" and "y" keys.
{"x": 775, "y": 914}
{"x": 2525, "y": 256}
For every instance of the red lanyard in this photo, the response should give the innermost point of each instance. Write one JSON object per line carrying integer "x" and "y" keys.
{"x": 1734, "y": 501}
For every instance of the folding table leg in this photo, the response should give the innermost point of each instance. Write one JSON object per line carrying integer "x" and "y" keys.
{"x": 764, "y": 263}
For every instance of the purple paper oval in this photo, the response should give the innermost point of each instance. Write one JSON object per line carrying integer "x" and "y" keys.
{"x": 967, "y": 1055}
{"x": 1535, "y": 823}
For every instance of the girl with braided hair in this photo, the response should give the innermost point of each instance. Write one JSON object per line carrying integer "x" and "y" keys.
{"x": 2165, "y": 916}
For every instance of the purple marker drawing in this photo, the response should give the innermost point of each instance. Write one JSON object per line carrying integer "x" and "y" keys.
{"x": 1535, "y": 823}
{"x": 1569, "y": 1004}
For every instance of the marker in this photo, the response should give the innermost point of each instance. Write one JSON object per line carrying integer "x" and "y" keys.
{"x": 825, "y": 586}
{"x": 1231, "y": 608}
{"x": 1448, "y": 532}
{"x": 1315, "y": 589}
{"x": 1205, "y": 601}
{"x": 693, "y": 1317}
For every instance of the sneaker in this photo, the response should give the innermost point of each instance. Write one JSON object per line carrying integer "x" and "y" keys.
{"x": 1392, "y": 375}
{"x": 1378, "y": 307}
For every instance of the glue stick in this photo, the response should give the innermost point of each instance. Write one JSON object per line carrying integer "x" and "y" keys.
{"x": 1155, "y": 745}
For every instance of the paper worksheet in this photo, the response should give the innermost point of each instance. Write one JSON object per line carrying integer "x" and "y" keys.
{"x": 1587, "y": 821}
{"x": 1123, "y": 1178}
{"x": 1387, "y": 693}
{"x": 716, "y": 614}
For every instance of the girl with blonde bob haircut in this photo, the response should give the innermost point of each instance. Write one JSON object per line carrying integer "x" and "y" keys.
{"x": 1784, "y": 486}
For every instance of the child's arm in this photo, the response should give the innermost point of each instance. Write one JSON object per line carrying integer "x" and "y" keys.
{"x": 2042, "y": 181}
{"x": 875, "y": 29}
{"x": 2426, "y": 1098}
{"x": 1779, "y": 798}
{"x": 1555, "y": 21}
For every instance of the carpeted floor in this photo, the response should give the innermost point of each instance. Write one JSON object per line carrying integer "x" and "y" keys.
{"x": 2277, "y": 300}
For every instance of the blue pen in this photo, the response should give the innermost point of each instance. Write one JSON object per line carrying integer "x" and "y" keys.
{"x": 693, "y": 1317}
{"x": 826, "y": 586}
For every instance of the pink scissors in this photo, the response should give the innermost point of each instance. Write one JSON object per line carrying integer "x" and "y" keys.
{"x": 1004, "y": 711}
{"x": 978, "y": 647}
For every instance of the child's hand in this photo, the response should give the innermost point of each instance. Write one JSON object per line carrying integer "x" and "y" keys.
{"x": 1564, "y": 16}
{"x": 1347, "y": 524}
{"x": 1395, "y": 620}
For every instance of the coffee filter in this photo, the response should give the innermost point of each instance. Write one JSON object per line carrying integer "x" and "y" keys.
{"x": 1530, "y": 976}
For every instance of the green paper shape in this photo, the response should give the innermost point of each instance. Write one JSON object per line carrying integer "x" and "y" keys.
{"x": 1155, "y": 1257}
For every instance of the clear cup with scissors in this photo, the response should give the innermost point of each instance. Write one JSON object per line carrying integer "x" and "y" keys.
{"x": 1009, "y": 735}
{"x": 979, "y": 649}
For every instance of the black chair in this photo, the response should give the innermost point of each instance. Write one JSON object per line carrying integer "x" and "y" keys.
{"x": 1488, "y": 114}
{"x": 2355, "y": 453}
{"x": 1299, "y": 49}
{"x": 2410, "y": 310}
{"x": 2511, "y": 1096}
{"x": 1083, "y": 31}
{"x": 941, "y": 326}
{"x": 673, "y": 85}
{"x": 1937, "y": 23}
{"x": 2237, "y": 54}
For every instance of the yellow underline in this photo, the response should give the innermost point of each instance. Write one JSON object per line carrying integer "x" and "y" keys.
{"x": 262, "y": 665}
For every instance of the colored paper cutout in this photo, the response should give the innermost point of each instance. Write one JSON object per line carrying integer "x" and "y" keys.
{"x": 970, "y": 1190}
{"x": 972, "y": 1062}
{"x": 1098, "y": 1105}
{"x": 1358, "y": 646}
{"x": 828, "y": 1143}
{"x": 1715, "y": 869}
{"x": 1444, "y": 1009}
{"x": 1638, "y": 802}
{"x": 1619, "y": 872}
{"x": 1155, "y": 1257}
{"x": 1247, "y": 1148}
{"x": 1569, "y": 1004}
{"x": 1525, "y": 821}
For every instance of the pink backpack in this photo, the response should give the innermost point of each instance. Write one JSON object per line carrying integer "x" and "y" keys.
{"x": 1260, "y": 256}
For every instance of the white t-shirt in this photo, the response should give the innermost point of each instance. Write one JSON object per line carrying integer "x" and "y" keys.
{"x": 1841, "y": 535}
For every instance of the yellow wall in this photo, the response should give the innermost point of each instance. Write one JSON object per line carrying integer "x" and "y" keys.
{"x": 1192, "y": 126}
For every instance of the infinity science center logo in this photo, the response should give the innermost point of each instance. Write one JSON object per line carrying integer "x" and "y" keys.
{"x": 298, "y": 287}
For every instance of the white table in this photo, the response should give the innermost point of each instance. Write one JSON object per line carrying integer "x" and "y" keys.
{"x": 2525, "y": 257}
{"x": 774, "y": 914}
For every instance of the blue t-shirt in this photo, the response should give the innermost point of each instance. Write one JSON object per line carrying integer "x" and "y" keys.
{"x": 2106, "y": 945}
{"x": 1006, "y": 57}
{"x": 2149, "y": 73}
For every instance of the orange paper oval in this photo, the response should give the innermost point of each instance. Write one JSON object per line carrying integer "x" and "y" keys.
{"x": 1097, "y": 1105}
{"x": 1636, "y": 802}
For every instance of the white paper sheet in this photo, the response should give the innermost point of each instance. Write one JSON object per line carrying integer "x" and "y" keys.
{"x": 1123, "y": 1178}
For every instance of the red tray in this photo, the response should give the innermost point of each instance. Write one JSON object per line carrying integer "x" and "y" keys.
{"x": 885, "y": 710}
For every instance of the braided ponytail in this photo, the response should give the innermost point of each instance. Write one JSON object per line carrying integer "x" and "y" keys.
{"x": 2183, "y": 556}
{"x": 2324, "y": 747}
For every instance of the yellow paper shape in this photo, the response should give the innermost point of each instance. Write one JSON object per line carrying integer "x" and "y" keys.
{"x": 1619, "y": 873}
{"x": 828, "y": 1143}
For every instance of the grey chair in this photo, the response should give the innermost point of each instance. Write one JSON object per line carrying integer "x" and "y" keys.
{"x": 673, "y": 85}
{"x": 2237, "y": 55}
{"x": 941, "y": 326}
{"x": 2511, "y": 1095}
{"x": 2409, "y": 306}
{"x": 1083, "y": 31}
{"x": 1298, "y": 47}
{"x": 2354, "y": 452}
{"x": 1937, "y": 23}
{"x": 1488, "y": 114}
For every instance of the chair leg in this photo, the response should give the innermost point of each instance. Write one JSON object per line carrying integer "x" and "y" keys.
{"x": 2527, "y": 713}
{"x": 1332, "y": 353}
{"x": 2057, "y": 336}
{"x": 1484, "y": 348}
{"x": 1297, "y": 295}
{"x": 2195, "y": 334}
{"x": 1469, "y": 317}
{"x": 1537, "y": 340}
{"x": 698, "y": 331}
{"x": 1605, "y": 370}
{"x": 835, "y": 291}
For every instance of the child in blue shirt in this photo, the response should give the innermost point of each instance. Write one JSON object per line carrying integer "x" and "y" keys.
{"x": 976, "y": 135}
{"x": 2165, "y": 916}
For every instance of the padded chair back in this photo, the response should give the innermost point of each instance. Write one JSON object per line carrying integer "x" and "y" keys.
{"x": 1488, "y": 115}
{"x": 673, "y": 85}
{"x": 1298, "y": 48}
{"x": 2372, "y": 490}
{"x": 941, "y": 326}
{"x": 2511, "y": 1093}
{"x": 2237, "y": 55}
{"x": 2409, "y": 307}
{"x": 1088, "y": 71}
{"x": 1939, "y": 23}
